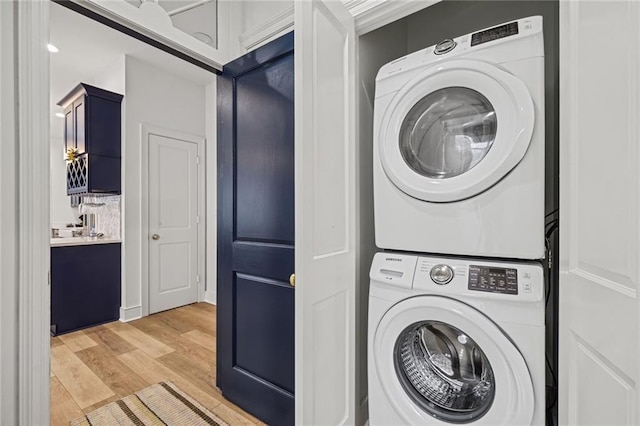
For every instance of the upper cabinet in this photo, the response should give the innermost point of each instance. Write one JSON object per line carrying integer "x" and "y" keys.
{"x": 92, "y": 135}
{"x": 92, "y": 120}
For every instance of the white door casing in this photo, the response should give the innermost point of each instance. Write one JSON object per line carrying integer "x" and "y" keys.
{"x": 599, "y": 213}
{"x": 173, "y": 212}
{"x": 325, "y": 140}
{"x": 25, "y": 300}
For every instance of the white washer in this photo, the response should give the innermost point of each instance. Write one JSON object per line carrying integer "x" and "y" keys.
{"x": 455, "y": 340}
{"x": 459, "y": 146}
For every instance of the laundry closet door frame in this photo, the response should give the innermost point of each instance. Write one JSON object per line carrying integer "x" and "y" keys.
{"x": 32, "y": 207}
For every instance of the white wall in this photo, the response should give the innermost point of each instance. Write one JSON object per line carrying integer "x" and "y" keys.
{"x": 157, "y": 98}
{"x": 113, "y": 78}
{"x": 256, "y": 22}
{"x": 61, "y": 211}
{"x": 60, "y": 208}
{"x": 257, "y": 12}
{"x": 8, "y": 223}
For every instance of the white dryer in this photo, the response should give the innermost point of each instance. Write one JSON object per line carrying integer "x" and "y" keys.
{"x": 459, "y": 146}
{"x": 455, "y": 341}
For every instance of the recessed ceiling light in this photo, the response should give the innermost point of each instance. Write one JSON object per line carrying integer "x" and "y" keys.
{"x": 51, "y": 48}
{"x": 59, "y": 114}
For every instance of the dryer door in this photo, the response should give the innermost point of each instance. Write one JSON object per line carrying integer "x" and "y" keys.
{"x": 455, "y": 130}
{"x": 440, "y": 361}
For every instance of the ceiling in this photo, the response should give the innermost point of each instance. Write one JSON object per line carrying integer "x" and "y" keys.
{"x": 87, "y": 48}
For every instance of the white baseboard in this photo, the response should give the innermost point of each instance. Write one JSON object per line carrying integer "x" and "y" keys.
{"x": 131, "y": 313}
{"x": 210, "y": 297}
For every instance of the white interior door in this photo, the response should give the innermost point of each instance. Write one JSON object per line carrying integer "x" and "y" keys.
{"x": 325, "y": 213}
{"x": 599, "y": 213}
{"x": 173, "y": 222}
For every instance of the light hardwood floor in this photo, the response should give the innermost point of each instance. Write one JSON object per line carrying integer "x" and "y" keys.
{"x": 98, "y": 365}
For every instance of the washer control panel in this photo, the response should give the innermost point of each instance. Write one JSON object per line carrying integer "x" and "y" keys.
{"x": 493, "y": 279}
{"x": 471, "y": 278}
{"x": 476, "y": 278}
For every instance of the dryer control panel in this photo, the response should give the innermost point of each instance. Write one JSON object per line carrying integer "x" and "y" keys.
{"x": 494, "y": 33}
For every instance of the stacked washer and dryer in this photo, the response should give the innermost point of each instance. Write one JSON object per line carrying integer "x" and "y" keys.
{"x": 457, "y": 303}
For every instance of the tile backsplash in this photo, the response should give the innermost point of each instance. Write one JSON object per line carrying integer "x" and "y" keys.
{"x": 107, "y": 216}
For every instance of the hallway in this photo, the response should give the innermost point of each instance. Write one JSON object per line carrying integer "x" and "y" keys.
{"x": 93, "y": 367}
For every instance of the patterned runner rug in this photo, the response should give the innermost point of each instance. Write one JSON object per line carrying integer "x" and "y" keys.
{"x": 160, "y": 404}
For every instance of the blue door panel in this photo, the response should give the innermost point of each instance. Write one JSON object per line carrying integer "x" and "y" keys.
{"x": 255, "y": 336}
{"x": 272, "y": 261}
{"x": 262, "y": 310}
{"x": 264, "y": 176}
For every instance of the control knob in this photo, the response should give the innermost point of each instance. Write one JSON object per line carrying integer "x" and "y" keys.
{"x": 446, "y": 45}
{"x": 441, "y": 274}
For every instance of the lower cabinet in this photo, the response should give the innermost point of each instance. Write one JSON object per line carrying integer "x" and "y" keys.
{"x": 85, "y": 286}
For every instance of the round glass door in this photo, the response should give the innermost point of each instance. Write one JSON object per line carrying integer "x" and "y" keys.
{"x": 454, "y": 130}
{"x": 448, "y": 132}
{"x": 440, "y": 361}
{"x": 444, "y": 371}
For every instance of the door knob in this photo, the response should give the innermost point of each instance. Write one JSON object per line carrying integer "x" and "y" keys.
{"x": 155, "y": 236}
{"x": 292, "y": 280}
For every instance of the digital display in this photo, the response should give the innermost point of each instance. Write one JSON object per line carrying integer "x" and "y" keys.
{"x": 495, "y": 33}
{"x": 494, "y": 280}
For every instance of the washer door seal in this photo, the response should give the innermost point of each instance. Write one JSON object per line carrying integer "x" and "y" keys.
{"x": 490, "y": 387}
{"x": 444, "y": 371}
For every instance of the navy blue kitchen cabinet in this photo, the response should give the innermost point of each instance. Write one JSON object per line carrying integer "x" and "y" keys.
{"x": 92, "y": 129}
{"x": 85, "y": 286}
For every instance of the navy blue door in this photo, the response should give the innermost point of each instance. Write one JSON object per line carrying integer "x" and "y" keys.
{"x": 255, "y": 348}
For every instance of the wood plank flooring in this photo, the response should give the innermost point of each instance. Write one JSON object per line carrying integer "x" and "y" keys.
{"x": 99, "y": 365}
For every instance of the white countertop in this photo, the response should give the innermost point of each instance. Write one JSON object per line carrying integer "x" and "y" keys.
{"x": 82, "y": 241}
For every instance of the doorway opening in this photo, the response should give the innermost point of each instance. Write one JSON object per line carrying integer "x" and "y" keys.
{"x": 168, "y": 105}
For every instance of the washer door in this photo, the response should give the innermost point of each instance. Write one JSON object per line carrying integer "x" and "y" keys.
{"x": 440, "y": 361}
{"x": 455, "y": 130}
